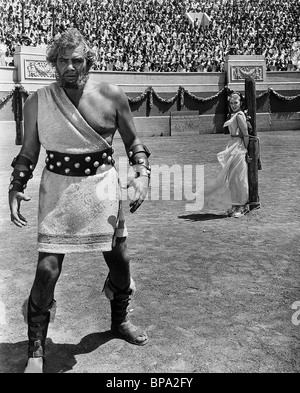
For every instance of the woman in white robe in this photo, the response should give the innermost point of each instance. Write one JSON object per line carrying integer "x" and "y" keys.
{"x": 229, "y": 192}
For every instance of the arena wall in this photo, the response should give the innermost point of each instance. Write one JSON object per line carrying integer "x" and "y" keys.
{"x": 166, "y": 104}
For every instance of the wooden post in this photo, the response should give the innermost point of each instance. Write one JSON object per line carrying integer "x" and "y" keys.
{"x": 253, "y": 148}
{"x": 18, "y": 112}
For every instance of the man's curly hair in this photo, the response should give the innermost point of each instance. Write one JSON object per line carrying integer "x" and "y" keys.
{"x": 69, "y": 39}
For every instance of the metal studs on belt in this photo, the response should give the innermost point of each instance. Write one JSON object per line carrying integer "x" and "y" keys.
{"x": 88, "y": 159}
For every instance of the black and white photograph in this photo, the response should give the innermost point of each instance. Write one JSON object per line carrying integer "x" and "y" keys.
{"x": 150, "y": 189}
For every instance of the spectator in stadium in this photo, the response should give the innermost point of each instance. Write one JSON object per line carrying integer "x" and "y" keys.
{"x": 256, "y": 27}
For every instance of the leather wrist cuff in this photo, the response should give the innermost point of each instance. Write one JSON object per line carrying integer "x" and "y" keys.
{"x": 22, "y": 160}
{"x": 142, "y": 170}
{"x": 139, "y": 148}
{"x": 19, "y": 179}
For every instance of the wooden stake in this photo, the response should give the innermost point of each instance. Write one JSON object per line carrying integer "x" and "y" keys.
{"x": 253, "y": 148}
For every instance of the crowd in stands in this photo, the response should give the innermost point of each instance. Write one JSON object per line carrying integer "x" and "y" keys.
{"x": 156, "y": 35}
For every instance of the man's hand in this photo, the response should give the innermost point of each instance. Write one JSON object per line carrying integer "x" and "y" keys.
{"x": 140, "y": 184}
{"x": 15, "y": 199}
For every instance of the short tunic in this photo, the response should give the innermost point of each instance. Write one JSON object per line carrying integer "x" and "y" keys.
{"x": 76, "y": 213}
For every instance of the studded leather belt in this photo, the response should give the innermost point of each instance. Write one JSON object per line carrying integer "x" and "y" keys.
{"x": 78, "y": 164}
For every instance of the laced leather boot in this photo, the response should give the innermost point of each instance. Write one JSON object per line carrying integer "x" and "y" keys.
{"x": 38, "y": 322}
{"x": 120, "y": 325}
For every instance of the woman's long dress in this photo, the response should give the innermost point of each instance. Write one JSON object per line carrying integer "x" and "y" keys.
{"x": 231, "y": 185}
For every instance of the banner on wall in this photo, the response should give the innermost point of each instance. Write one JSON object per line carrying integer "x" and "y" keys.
{"x": 198, "y": 18}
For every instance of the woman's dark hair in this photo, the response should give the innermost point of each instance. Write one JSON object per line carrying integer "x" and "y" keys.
{"x": 69, "y": 39}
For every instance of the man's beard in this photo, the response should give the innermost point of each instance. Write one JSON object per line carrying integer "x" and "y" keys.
{"x": 74, "y": 84}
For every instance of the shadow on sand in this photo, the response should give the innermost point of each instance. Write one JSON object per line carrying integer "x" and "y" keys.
{"x": 203, "y": 217}
{"x": 59, "y": 357}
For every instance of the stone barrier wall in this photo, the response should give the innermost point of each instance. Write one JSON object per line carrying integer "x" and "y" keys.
{"x": 166, "y": 104}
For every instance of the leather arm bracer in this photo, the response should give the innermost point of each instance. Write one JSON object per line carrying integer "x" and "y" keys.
{"x": 138, "y": 157}
{"x": 19, "y": 178}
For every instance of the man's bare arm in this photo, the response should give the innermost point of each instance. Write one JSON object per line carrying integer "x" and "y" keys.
{"x": 29, "y": 151}
{"x": 137, "y": 152}
{"x": 31, "y": 144}
{"x": 125, "y": 122}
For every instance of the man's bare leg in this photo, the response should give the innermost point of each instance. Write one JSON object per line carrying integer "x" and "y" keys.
{"x": 119, "y": 288}
{"x": 39, "y": 303}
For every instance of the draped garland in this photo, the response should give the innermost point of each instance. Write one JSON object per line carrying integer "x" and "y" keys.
{"x": 179, "y": 96}
{"x": 270, "y": 92}
{"x": 18, "y": 91}
{"x": 16, "y": 94}
{"x": 149, "y": 93}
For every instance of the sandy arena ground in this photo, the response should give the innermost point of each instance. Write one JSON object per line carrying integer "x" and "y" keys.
{"x": 215, "y": 294}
